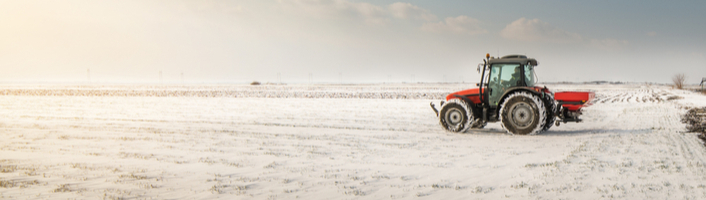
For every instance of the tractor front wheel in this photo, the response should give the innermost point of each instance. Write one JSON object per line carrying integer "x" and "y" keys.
{"x": 455, "y": 116}
{"x": 523, "y": 113}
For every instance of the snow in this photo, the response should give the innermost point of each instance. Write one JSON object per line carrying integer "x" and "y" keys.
{"x": 340, "y": 142}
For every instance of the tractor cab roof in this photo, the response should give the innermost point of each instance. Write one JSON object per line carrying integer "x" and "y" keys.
{"x": 522, "y": 59}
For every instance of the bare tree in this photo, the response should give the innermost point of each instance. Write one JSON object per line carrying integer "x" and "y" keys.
{"x": 679, "y": 80}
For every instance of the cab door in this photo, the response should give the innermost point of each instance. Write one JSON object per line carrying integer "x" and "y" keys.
{"x": 502, "y": 77}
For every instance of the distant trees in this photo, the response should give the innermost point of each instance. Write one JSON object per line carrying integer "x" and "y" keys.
{"x": 679, "y": 81}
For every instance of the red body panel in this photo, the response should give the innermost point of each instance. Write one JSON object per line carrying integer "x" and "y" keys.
{"x": 573, "y": 101}
{"x": 473, "y": 91}
{"x": 476, "y": 98}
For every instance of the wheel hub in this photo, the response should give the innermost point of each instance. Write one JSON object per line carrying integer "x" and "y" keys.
{"x": 454, "y": 116}
{"x": 522, "y": 115}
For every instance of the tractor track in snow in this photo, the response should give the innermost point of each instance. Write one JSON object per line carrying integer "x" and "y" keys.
{"x": 639, "y": 96}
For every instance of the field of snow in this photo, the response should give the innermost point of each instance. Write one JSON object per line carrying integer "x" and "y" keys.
{"x": 334, "y": 142}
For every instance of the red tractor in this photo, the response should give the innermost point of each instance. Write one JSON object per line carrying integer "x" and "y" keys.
{"x": 507, "y": 93}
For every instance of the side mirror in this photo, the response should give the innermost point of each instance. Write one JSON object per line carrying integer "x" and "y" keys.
{"x": 479, "y": 66}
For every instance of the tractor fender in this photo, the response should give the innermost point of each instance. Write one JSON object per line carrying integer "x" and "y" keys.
{"x": 472, "y": 106}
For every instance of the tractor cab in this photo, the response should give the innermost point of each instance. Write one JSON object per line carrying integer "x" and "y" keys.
{"x": 508, "y": 73}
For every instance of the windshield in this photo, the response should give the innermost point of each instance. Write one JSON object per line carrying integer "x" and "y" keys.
{"x": 529, "y": 75}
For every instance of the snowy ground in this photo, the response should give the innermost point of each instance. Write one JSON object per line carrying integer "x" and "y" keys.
{"x": 369, "y": 142}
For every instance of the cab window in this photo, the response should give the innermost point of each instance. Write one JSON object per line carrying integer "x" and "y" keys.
{"x": 502, "y": 76}
{"x": 529, "y": 75}
{"x": 505, "y": 75}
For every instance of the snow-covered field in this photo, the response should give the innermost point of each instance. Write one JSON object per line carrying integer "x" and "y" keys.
{"x": 334, "y": 142}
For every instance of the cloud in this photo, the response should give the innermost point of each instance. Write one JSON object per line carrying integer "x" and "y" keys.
{"x": 369, "y": 13}
{"x": 609, "y": 44}
{"x": 383, "y": 15}
{"x": 339, "y": 8}
{"x": 459, "y": 25}
{"x": 408, "y": 11}
{"x": 651, "y": 33}
{"x": 535, "y": 30}
{"x": 210, "y": 7}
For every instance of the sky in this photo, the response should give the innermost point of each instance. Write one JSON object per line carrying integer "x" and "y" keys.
{"x": 347, "y": 41}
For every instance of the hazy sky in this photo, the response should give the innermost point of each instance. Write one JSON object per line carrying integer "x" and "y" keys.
{"x": 347, "y": 40}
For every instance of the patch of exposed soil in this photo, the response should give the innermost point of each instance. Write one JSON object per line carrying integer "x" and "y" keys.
{"x": 695, "y": 120}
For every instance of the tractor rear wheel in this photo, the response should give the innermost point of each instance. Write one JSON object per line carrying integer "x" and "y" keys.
{"x": 456, "y": 116}
{"x": 551, "y": 110}
{"x": 523, "y": 113}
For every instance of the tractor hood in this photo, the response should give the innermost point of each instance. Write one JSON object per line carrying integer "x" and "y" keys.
{"x": 472, "y": 94}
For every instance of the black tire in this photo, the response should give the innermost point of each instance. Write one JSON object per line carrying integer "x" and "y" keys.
{"x": 455, "y": 116}
{"x": 523, "y": 113}
{"x": 551, "y": 113}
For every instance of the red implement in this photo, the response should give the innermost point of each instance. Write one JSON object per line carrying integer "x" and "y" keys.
{"x": 573, "y": 101}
